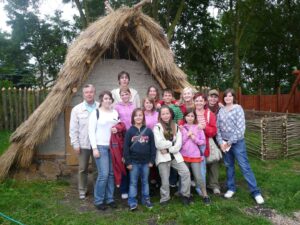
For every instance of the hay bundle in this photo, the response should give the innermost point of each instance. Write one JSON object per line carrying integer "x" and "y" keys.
{"x": 148, "y": 40}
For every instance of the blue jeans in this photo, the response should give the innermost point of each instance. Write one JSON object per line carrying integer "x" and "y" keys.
{"x": 238, "y": 152}
{"x": 139, "y": 170}
{"x": 104, "y": 187}
{"x": 202, "y": 167}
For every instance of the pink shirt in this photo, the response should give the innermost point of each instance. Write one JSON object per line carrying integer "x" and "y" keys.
{"x": 125, "y": 111}
{"x": 151, "y": 119}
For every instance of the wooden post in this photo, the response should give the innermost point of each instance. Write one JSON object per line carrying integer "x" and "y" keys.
{"x": 11, "y": 110}
{"x": 278, "y": 102}
{"x": 293, "y": 90}
{"x": 15, "y": 98}
{"x": 25, "y": 104}
{"x": 263, "y": 127}
{"x": 29, "y": 110}
{"x": 21, "y": 118}
{"x": 32, "y": 98}
{"x": 37, "y": 97}
{"x": 5, "y": 114}
{"x": 284, "y": 136}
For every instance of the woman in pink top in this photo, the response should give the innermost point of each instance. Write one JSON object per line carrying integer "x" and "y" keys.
{"x": 192, "y": 138}
{"x": 151, "y": 115}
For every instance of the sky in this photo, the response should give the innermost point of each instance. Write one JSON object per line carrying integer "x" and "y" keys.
{"x": 47, "y": 7}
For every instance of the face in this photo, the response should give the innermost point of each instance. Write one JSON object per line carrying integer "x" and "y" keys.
{"x": 106, "y": 101}
{"x": 228, "y": 99}
{"x": 190, "y": 118}
{"x": 152, "y": 92}
{"x": 213, "y": 100}
{"x": 148, "y": 105}
{"x": 89, "y": 94}
{"x": 165, "y": 115}
{"x": 187, "y": 96}
{"x": 124, "y": 81}
{"x": 138, "y": 118}
{"x": 199, "y": 102}
{"x": 125, "y": 96}
{"x": 167, "y": 97}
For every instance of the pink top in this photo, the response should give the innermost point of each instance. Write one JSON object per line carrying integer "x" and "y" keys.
{"x": 125, "y": 111}
{"x": 190, "y": 147}
{"x": 151, "y": 119}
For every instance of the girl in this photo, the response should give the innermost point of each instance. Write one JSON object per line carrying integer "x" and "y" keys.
{"x": 101, "y": 124}
{"x": 125, "y": 109}
{"x": 187, "y": 99}
{"x": 192, "y": 138}
{"x": 139, "y": 155}
{"x": 153, "y": 93}
{"x": 151, "y": 115}
{"x": 231, "y": 130}
{"x": 168, "y": 142}
{"x": 207, "y": 122}
{"x": 124, "y": 78}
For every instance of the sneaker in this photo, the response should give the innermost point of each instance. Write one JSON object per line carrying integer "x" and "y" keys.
{"x": 229, "y": 194}
{"x": 133, "y": 207}
{"x": 259, "y": 199}
{"x": 164, "y": 203}
{"x": 198, "y": 190}
{"x": 216, "y": 191}
{"x": 148, "y": 204}
{"x": 82, "y": 196}
{"x": 124, "y": 196}
{"x": 177, "y": 194}
{"x": 206, "y": 200}
{"x": 101, "y": 207}
{"x": 112, "y": 205}
{"x": 173, "y": 185}
{"x": 185, "y": 200}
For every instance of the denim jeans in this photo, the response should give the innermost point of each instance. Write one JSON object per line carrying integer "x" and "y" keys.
{"x": 238, "y": 152}
{"x": 138, "y": 170}
{"x": 104, "y": 187}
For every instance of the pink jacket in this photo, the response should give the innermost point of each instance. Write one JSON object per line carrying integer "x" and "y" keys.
{"x": 190, "y": 148}
{"x": 151, "y": 119}
{"x": 125, "y": 112}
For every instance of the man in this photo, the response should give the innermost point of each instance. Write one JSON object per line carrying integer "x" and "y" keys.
{"x": 213, "y": 168}
{"x": 79, "y": 135}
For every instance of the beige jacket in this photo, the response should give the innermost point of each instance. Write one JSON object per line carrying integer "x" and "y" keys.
{"x": 79, "y": 121}
{"x": 161, "y": 143}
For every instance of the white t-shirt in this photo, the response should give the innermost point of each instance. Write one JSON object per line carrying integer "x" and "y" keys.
{"x": 100, "y": 130}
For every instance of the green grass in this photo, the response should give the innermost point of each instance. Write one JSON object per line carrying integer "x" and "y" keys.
{"x": 4, "y": 141}
{"x": 50, "y": 202}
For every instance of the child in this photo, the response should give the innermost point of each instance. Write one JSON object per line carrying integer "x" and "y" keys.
{"x": 168, "y": 142}
{"x": 192, "y": 138}
{"x": 167, "y": 100}
{"x": 153, "y": 93}
{"x": 151, "y": 115}
{"x": 139, "y": 155}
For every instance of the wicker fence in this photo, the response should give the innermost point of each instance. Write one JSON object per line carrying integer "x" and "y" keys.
{"x": 272, "y": 135}
{"x": 17, "y": 104}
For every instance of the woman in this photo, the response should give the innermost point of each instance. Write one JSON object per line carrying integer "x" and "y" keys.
{"x": 124, "y": 78}
{"x": 207, "y": 122}
{"x": 168, "y": 142}
{"x": 101, "y": 124}
{"x": 231, "y": 130}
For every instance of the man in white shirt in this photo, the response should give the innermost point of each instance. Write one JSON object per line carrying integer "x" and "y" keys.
{"x": 79, "y": 135}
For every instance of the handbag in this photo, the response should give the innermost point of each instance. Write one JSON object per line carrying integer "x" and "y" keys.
{"x": 215, "y": 153}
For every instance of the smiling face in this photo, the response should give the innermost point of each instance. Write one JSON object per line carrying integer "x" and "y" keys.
{"x": 165, "y": 115}
{"x": 125, "y": 96}
{"x": 106, "y": 101}
{"x": 190, "y": 118}
{"x": 148, "y": 105}
{"x": 199, "y": 102}
{"x": 138, "y": 118}
{"x": 212, "y": 100}
{"x": 167, "y": 97}
{"x": 228, "y": 98}
{"x": 89, "y": 94}
{"x": 152, "y": 93}
{"x": 187, "y": 96}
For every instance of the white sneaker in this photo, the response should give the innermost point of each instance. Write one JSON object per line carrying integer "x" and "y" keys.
{"x": 229, "y": 194}
{"x": 216, "y": 191}
{"x": 259, "y": 199}
{"x": 124, "y": 196}
{"x": 82, "y": 196}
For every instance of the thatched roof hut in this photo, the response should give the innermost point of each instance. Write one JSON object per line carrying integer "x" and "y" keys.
{"x": 144, "y": 38}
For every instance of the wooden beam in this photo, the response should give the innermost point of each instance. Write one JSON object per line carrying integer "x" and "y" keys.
{"x": 141, "y": 3}
{"x": 153, "y": 72}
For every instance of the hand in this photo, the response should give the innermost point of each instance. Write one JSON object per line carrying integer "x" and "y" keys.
{"x": 96, "y": 153}
{"x": 177, "y": 103}
{"x": 123, "y": 160}
{"x": 77, "y": 150}
{"x": 164, "y": 151}
{"x": 190, "y": 133}
{"x": 201, "y": 126}
{"x": 129, "y": 167}
{"x": 114, "y": 130}
{"x": 150, "y": 165}
{"x": 193, "y": 137}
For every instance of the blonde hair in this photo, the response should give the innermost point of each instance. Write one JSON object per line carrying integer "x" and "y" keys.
{"x": 184, "y": 90}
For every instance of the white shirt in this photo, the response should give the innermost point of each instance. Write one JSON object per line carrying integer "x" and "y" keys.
{"x": 100, "y": 130}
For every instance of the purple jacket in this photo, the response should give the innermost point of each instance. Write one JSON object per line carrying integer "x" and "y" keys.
{"x": 125, "y": 112}
{"x": 151, "y": 119}
{"x": 190, "y": 148}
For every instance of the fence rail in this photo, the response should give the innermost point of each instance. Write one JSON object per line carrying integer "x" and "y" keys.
{"x": 17, "y": 104}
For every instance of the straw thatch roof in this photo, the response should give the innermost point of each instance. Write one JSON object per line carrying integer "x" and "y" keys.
{"x": 143, "y": 36}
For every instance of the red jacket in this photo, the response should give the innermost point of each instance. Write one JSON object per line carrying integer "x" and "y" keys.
{"x": 211, "y": 128}
{"x": 116, "y": 149}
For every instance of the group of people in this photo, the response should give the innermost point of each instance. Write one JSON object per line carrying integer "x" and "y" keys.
{"x": 164, "y": 141}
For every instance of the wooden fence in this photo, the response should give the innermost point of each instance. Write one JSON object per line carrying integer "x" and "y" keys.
{"x": 16, "y": 105}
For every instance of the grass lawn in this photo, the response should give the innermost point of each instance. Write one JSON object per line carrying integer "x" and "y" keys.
{"x": 56, "y": 202}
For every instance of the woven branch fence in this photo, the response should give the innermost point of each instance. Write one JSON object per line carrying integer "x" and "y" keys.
{"x": 16, "y": 105}
{"x": 272, "y": 135}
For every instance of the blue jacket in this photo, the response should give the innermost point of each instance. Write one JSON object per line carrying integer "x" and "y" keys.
{"x": 143, "y": 151}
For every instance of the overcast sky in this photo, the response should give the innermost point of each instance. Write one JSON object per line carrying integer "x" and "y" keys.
{"x": 47, "y": 7}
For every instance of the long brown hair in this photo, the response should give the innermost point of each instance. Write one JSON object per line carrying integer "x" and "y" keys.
{"x": 134, "y": 113}
{"x": 170, "y": 127}
{"x": 157, "y": 93}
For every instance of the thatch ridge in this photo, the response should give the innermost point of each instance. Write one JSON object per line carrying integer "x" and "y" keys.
{"x": 85, "y": 51}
